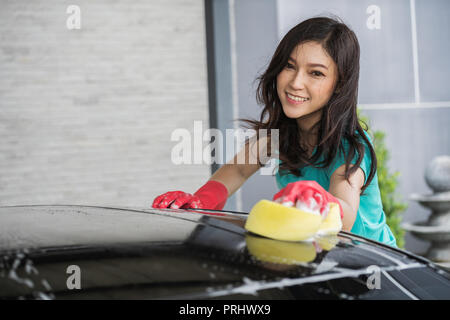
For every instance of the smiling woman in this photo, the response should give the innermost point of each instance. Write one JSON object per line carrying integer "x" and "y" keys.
{"x": 304, "y": 87}
{"x": 309, "y": 92}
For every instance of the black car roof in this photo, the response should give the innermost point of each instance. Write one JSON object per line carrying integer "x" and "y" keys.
{"x": 200, "y": 241}
{"x": 35, "y": 226}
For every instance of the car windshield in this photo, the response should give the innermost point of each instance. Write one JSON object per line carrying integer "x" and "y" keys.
{"x": 216, "y": 258}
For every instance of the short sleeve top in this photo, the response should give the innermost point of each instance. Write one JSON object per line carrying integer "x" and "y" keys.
{"x": 370, "y": 221}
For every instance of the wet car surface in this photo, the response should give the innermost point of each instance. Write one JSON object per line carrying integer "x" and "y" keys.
{"x": 130, "y": 253}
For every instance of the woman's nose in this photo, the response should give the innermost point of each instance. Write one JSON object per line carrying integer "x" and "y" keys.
{"x": 298, "y": 81}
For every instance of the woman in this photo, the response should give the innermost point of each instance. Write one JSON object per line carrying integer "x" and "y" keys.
{"x": 309, "y": 92}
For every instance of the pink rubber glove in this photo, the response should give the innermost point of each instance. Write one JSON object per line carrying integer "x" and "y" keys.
{"x": 213, "y": 195}
{"x": 310, "y": 193}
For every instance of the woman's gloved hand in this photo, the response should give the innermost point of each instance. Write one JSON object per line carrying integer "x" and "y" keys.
{"x": 307, "y": 195}
{"x": 213, "y": 195}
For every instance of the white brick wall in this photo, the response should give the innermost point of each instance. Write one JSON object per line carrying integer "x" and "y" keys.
{"x": 86, "y": 115}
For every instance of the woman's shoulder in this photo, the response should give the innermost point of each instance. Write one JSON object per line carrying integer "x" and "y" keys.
{"x": 342, "y": 155}
{"x": 359, "y": 137}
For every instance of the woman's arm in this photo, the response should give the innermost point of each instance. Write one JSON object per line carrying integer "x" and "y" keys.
{"x": 215, "y": 192}
{"x": 233, "y": 174}
{"x": 347, "y": 194}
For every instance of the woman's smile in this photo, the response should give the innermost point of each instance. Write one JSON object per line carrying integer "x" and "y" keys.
{"x": 295, "y": 100}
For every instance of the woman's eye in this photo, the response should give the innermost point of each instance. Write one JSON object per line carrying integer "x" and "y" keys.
{"x": 317, "y": 73}
{"x": 289, "y": 66}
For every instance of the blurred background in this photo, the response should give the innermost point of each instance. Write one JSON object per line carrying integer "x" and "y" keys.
{"x": 87, "y": 110}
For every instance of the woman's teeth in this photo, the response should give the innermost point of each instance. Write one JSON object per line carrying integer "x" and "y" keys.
{"x": 296, "y": 98}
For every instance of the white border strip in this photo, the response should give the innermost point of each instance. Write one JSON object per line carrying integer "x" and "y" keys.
{"x": 278, "y": 15}
{"x": 234, "y": 82}
{"x": 388, "y": 106}
{"x": 412, "y": 5}
{"x": 252, "y": 287}
{"x": 384, "y": 255}
{"x": 398, "y": 285}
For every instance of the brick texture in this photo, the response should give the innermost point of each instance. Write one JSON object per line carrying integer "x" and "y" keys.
{"x": 86, "y": 115}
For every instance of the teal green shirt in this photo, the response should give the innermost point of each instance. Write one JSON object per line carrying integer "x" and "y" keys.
{"x": 370, "y": 220}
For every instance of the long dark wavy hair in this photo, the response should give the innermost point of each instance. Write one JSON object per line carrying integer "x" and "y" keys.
{"x": 339, "y": 118}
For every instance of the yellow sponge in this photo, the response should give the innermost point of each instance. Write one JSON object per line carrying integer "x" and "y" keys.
{"x": 274, "y": 251}
{"x": 327, "y": 242}
{"x": 273, "y": 220}
{"x": 332, "y": 224}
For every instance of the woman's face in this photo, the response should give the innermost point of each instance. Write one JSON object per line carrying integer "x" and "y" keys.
{"x": 306, "y": 83}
